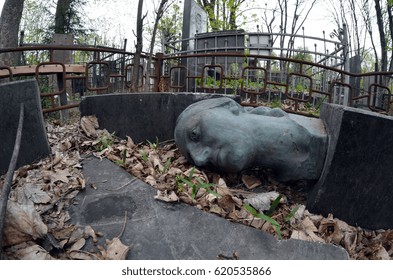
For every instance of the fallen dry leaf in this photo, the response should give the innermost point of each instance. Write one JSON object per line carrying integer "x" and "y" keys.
{"x": 34, "y": 252}
{"x": 81, "y": 255}
{"x": 262, "y": 201}
{"x": 130, "y": 144}
{"x": 25, "y": 220}
{"x": 227, "y": 203}
{"x": 167, "y": 196}
{"x": 310, "y": 229}
{"x": 35, "y": 194}
{"x": 78, "y": 245}
{"x": 251, "y": 182}
{"x": 89, "y": 232}
{"x": 115, "y": 250}
{"x": 89, "y": 124}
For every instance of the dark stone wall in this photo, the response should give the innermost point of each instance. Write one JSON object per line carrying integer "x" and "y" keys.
{"x": 34, "y": 144}
{"x": 142, "y": 116}
{"x": 356, "y": 184}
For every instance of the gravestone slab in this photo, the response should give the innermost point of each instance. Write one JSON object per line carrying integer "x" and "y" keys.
{"x": 356, "y": 184}
{"x": 158, "y": 230}
{"x": 194, "y": 22}
{"x": 34, "y": 143}
{"x": 142, "y": 116}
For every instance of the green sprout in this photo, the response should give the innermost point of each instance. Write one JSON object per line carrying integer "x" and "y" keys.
{"x": 195, "y": 186}
{"x": 264, "y": 217}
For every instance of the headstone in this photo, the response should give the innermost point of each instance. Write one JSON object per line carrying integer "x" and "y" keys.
{"x": 63, "y": 56}
{"x": 194, "y": 21}
{"x": 156, "y": 230}
{"x": 356, "y": 184}
{"x": 34, "y": 143}
{"x": 355, "y": 67}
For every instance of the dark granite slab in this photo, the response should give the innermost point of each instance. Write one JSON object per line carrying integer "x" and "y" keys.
{"x": 159, "y": 230}
{"x": 142, "y": 116}
{"x": 34, "y": 144}
{"x": 356, "y": 184}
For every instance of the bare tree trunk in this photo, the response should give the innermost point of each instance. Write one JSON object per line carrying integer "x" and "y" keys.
{"x": 9, "y": 30}
{"x": 283, "y": 5}
{"x": 138, "y": 48}
{"x": 63, "y": 6}
{"x": 366, "y": 14}
{"x": 233, "y": 13}
{"x": 390, "y": 18}
{"x": 382, "y": 39}
{"x": 355, "y": 27}
{"x": 269, "y": 23}
{"x": 159, "y": 14}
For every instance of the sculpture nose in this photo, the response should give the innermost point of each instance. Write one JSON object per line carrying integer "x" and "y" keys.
{"x": 200, "y": 156}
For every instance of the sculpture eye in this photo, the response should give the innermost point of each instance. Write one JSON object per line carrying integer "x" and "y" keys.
{"x": 194, "y": 135}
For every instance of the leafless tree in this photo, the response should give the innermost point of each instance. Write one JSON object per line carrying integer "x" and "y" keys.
{"x": 367, "y": 16}
{"x": 382, "y": 38}
{"x": 269, "y": 21}
{"x": 301, "y": 10}
{"x": 163, "y": 6}
{"x": 9, "y": 29}
{"x": 138, "y": 48}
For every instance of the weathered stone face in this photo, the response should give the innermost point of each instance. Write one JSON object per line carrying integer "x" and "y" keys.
{"x": 222, "y": 134}
{"x": 215, "y": 136}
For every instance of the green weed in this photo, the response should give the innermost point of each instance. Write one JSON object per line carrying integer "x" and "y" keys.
{"x": 195, "y": 184}
{"x": 166, "y": 166}
{"x": 105, "y": 141}
{"x": 267, "y": 217}
{"x": 264, "y": 217}
{"x": 154, "y": 145}
{"x": 144, "y": 156}
{"x": 290, "y": 215}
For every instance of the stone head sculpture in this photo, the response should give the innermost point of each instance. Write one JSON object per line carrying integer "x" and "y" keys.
{"x": 219, "y": 133}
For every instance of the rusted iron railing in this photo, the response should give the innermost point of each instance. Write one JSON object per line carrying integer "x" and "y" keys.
{"x": 258, "y": 79}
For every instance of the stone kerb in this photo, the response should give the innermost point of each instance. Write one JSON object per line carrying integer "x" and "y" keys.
{"x": 142, "y": 116}
{"x": 356, "y": 184}
{"x": 34, "y": 144}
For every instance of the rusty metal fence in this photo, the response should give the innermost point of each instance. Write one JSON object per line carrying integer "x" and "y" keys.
{"x": 101, "y": 70}
{"x": 296, "y": 85}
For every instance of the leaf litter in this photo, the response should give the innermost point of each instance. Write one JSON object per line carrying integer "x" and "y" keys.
{"x": 38, "y": 224}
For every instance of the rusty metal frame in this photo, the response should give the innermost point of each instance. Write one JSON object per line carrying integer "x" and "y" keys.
{"x": 63, "y": 77}
{"x": 185, "y": 76}
{"x": 264, "y": 80}
{"x": 159, "y": 58}
{"x": 310, "y": 91}
{"x": 341, "y": 84}
{"x": 222, "y": 76}
{"x": 373, "y": 108}
{"x": 128, "y": 66}
{"x": 92, "y": 63}
{"x": 10, "y": 75}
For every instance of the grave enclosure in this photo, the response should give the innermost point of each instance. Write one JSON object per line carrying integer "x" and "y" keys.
{"x": 354, "y": 185}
